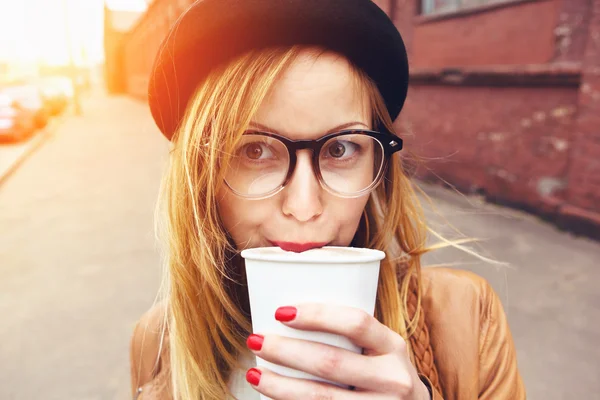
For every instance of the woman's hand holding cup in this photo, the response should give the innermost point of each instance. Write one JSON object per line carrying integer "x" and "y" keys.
{"x": 383, "y": 371}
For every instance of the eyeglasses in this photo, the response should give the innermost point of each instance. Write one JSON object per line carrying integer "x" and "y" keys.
{"x": 348, "y": 163}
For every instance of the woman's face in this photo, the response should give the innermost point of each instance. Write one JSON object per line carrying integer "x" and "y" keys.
{"x": 314, "y": 97}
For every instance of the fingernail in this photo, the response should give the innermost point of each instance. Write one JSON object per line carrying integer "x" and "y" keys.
{"x": 253, "y": 376}
{"x": 285, "y": 314}
{"x": 255, "y": 342}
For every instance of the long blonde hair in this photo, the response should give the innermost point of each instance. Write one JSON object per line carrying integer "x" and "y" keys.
{"x": 208, "y": 320}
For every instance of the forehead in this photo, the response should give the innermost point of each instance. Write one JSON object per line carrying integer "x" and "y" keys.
{"x": 317, "y": 93}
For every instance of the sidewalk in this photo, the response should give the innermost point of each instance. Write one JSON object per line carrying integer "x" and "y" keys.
{"x": 79, "y": 265}
{"x": 13, "y": 154}
{"x": 549, "y": 291}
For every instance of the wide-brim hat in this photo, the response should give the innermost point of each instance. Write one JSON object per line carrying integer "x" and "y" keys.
{"x": 213, "y": 32}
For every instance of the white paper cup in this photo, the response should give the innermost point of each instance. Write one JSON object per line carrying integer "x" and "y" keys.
{"x": 345, "y": 276}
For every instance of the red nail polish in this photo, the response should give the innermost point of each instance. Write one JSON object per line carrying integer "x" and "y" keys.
{"x": 254, "y": 342}
{"x": 285, "y": 314}
{"x": 253, "y": 376}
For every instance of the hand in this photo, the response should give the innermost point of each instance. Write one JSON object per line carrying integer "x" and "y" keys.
{"x": 383, "y": 371}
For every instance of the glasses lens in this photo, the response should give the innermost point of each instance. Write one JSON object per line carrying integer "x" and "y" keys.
{"x": 351, "y": 163}
{"x": 259, "y": 165}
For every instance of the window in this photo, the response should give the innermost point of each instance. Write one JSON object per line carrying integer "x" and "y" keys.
{"x": 440, "y": 6}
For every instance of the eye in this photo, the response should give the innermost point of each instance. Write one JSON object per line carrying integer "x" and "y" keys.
{"x": 340, "y": 148}
{"x": 255, "y": 150}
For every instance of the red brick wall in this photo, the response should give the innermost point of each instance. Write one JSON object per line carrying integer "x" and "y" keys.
{"x": 142, "y": 43}
{"x": 571, "y": 33}
{"x": 511, "y": 143}
{"x": 528, "y": 139}
{"x": 516, "y": 34}
{"x": 584, "y": 171}
{"x": 115, "y": 79}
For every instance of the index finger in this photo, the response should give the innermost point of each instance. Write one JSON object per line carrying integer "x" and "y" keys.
{"x": 355, "y": 324}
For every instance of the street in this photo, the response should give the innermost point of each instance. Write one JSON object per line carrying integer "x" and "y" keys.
{"x": 79, "y": 265}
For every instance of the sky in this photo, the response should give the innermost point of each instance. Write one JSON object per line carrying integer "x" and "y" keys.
{"x": 37, "y": 30}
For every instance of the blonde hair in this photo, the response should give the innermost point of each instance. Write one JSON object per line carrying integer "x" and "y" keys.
{"x": 203, "y": 288}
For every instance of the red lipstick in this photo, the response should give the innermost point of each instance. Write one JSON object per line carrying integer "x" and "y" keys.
{"x": 298, "y": 247}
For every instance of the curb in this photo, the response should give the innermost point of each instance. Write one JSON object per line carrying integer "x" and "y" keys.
{"x": 564, "y": 217}
{"x": 34, "y": 143}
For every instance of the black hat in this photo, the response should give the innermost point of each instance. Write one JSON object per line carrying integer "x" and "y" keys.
{"x": 213, "y": 32}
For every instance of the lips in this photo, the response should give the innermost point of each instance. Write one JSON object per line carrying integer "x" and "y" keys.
{"x": 297, "y": 247}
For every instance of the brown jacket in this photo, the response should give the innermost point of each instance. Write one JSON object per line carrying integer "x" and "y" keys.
{"x": 472, "y": 346}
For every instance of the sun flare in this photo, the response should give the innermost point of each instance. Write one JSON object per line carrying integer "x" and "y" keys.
{"x": 52, "y": 31}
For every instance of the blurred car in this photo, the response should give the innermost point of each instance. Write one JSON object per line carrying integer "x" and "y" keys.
{"x": 16, "y": 123}
{"x": 57, "y": 92}
{"x": 29, "y": 97}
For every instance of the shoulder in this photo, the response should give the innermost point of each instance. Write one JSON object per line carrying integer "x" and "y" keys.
{"x": 469, "y": 334}
{"x": 148, "y": 345}
{"x": 450, "y": 285}
{"x": 458, "y": 298}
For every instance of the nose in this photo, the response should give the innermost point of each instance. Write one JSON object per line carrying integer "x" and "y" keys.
{"x": 303, "y": 193}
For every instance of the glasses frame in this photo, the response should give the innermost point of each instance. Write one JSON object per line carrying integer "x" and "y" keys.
{"x": 388, "y": 141}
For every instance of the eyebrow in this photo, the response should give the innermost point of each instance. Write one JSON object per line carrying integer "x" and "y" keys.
{"x": 332, "y": 130}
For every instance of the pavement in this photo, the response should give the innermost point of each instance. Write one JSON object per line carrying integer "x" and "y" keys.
{"x": 79, "y": 265}
{"x": 13, "y": 154}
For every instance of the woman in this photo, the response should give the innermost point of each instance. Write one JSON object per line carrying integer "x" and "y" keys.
{"x": 280, "y": 117}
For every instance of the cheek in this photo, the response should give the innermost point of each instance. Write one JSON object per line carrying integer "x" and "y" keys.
{"x": 348, "y": 214}
{"x": 241, "y": 218}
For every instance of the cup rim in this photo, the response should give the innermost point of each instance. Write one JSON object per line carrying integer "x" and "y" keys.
{"x": 355, "y": 255}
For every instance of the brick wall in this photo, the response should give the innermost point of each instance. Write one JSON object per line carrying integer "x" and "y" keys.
{"x": 571, "y": 32}
{"x": 499, "y": 36}
{"x": 505, "y": 101}
{"x": 584, "y": 169}
{"x": 510, "y": 143}
{"x": 142, "y": 43}
{"x": 113, "y": 54}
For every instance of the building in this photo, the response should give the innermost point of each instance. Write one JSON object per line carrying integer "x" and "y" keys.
{"x": 117, "y": 24}
{"x": 505, "y": 100}
{"x": 504, "y": 97}
{"x": 142, "y": 41}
